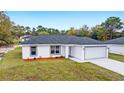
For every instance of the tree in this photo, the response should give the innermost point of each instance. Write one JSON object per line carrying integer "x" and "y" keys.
{"x": 93, "y": 33}
{"x": 71, "y": 31}
{"x": 43, "y": 33}
{"x": 116, "y": 34}
{"x": 28, "y": 29}
{"x": 34, "y": 31}
{"x": 63, "y": 32}
{"x": 84, "y": 31}
{"x": 122, "y": 33}
{"x": 100, "y": 32}
{"x": 18, "y": 31}
{"x": 54, "y": 31}
{"x": 41, "y": 28}
{"x": 5, "y": 28}
{"x": 112, "y": 24}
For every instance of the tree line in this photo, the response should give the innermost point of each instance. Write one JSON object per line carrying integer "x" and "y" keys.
{"x": 112, "y": 27}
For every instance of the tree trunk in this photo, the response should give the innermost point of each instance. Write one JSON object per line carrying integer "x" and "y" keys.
{"x": 111, "y": 35}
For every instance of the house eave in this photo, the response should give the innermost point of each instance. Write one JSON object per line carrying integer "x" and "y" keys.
{"x": 63, "y": 44}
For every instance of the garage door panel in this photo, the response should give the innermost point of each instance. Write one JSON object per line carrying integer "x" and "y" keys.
{"x": 95, "y": 52}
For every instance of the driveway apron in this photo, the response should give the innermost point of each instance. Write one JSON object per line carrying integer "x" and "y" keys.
{"x": 110, "y": 64}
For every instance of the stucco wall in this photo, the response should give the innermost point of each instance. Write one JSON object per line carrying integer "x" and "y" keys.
{"x": 77, "y": 52}
{"x": 63, "y": 50}
{"x": 117, "y": 49}
{"x": 25, "y": 52}
{"x": 42, "y": 52}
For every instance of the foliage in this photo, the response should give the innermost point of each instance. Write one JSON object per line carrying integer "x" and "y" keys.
{"x": 71, "y": 31}
{"x": 84, "y": 31}
{"x": 112, "y": 24}
{"x": 100, "y": 32}
{"x": 5, "y": 28}
{"x": 43, "y": 33}
{"x": 18, "y": 30}
{"x": 111, "y": 28}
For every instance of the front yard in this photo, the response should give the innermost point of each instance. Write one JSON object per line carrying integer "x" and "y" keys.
{"x": 12, "y": 67}
{"x": 116, "y": 57}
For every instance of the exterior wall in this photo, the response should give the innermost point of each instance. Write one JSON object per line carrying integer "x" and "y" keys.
{"x": 43, "y": 51}
{"x": 25, "y": 52}
{"x": 116, "y": 49}
{"x": 77, "y": 52}
{"x": 63, "y": 50}
{"x": 66, "y": 51}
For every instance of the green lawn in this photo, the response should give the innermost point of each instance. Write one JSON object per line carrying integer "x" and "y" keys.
{"x": 116, "y": 57}
{"x": 12, "y": 67}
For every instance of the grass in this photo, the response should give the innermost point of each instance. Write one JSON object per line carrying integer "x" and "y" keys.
{"x": 116, "y": 57}
{"x": 12, "y": 67}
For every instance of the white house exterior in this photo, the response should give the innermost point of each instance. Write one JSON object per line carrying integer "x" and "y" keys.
{"x": 81, "y": 52}
{"x": 116, "y": 46}
{"x": 116, "y": 49}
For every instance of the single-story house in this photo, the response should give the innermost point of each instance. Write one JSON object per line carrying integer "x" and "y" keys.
{"x": 25, "y": 37}
{"x": 49, "y": 46}
{"x": 116, "y": 46}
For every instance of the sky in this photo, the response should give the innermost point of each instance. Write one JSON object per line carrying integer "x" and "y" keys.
{"x": 61, "y": 20}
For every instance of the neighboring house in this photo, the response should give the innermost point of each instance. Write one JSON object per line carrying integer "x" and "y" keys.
{"x": 116, "y": 46}
{"x": 47, "y": 46}
{"x": 25, "y": 37}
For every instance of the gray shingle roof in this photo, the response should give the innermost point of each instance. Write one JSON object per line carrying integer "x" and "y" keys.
{"x": 116, "y": 41}
{"x": 60, "y": 39}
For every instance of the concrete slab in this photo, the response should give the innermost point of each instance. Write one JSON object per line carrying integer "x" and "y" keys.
{"x": 110, "y": 64}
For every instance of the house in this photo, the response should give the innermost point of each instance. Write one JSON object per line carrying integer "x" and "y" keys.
{"x": 25, "y": 37}
{"x": 116, "y": 46}
{"x": 49, "y": 46}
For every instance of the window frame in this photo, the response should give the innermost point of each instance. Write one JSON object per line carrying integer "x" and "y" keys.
{"x": 55, "y": 50}
{"x": 31, "y": 50}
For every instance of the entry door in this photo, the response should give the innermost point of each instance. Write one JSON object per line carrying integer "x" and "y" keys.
{"x": 95, "y": 52}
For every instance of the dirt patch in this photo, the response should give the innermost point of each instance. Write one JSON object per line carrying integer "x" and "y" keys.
{"x": 5, "y": 49}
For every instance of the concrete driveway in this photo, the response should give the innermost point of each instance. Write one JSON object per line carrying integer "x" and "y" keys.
{"x": 110, "y": 64}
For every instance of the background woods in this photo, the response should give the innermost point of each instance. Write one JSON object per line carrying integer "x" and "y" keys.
{"x": 11, "y": 33}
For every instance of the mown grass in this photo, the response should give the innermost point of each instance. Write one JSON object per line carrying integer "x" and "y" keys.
{"x": 116, "y": 57}
{"x": 12, "y": 67}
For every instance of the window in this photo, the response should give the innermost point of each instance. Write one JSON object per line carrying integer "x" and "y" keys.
{"x": 52, "y": 49}
{"x": 55, "y": 49}
{"x": 33, "y": 51}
